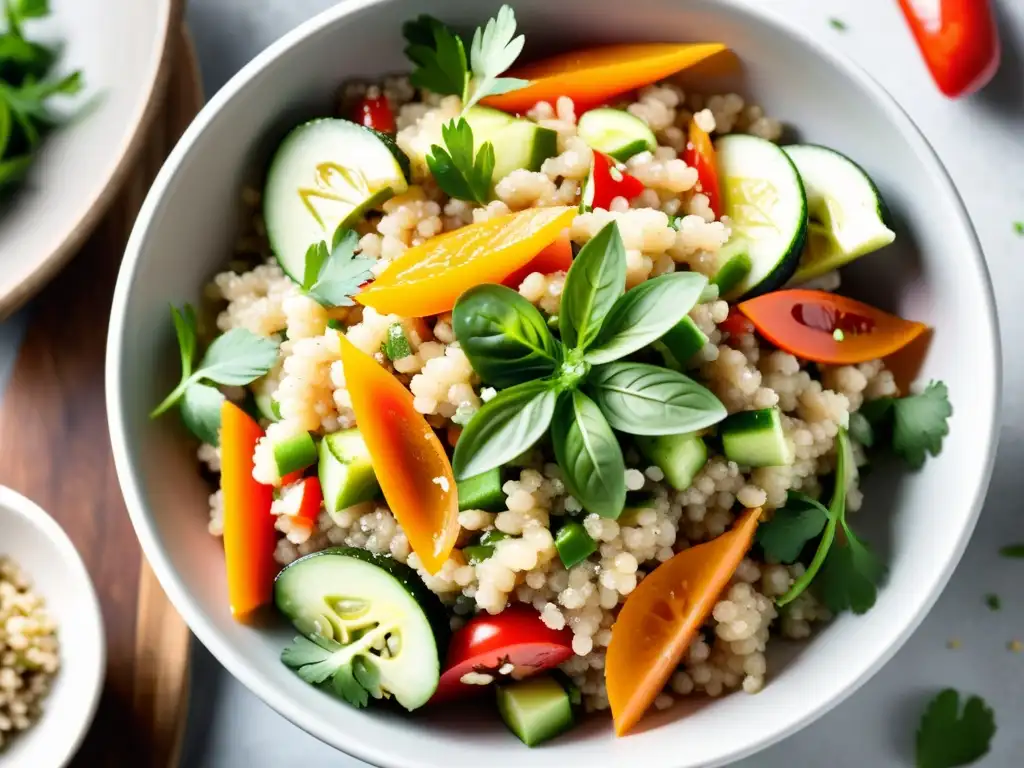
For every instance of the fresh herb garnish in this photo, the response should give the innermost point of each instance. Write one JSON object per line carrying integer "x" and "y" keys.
{"x": 915, "y": 424}
{"x": 235, "y": 358}
{"x": 334, "y": 276}
{"x": 439, "y": 56}
{"x": 1018, "y": 227}
{"x": 25, "y": 89}
{"x": 509, "y": 345}
{"x": 948, "y": 737}
{"x": 395, "y": 345}
{"x": 993, "y": 602}
{"x": 457, "y": 173}
{"x": 837, "y": 24}
{"x": 784, "y": 537}
{"x": 1013, "y": 550}
{"x": 318, "y": 660}
{"x": 494, "y": 50}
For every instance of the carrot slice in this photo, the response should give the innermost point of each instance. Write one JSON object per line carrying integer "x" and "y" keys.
{"x": 661, "y": 616}
{"x": 826, "y": 328}
{"x": 410, "y": 463}
{"x": 427, "y": 279}
{"x": 556, "y": 257}
{"x": 592, "y": 76}
{"x": 249, "y": 535}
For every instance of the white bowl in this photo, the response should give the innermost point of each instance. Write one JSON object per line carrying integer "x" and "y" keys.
{"x": 46, "y": 555}
{"x": 121, "y": 48}
{"x": 936, "y": 274}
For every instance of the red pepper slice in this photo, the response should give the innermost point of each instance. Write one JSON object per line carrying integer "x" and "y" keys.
{"x": 700, "y": 154}
{"x": 374, "y": 112}
{"x": 305, "y": 501}
{"x": 486, "y": 644}
{"x": 736, "y": 324}
{"x": 607, "y": 181}
{"x": 826, "y": 328}
{"x": 959, "y": 41}
{"x": 556, "y": 257}
{"x": 249, "y": 534}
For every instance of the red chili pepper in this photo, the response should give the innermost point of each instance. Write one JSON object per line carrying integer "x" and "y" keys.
{"x": 958, "y": 39}
{"x": 374, "y": 112}
{"x": 607, "y": 182}
{"x": 700, "y": 154}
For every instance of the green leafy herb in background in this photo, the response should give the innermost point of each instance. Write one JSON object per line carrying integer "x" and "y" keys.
{"x": 334, "y": 276}
{"x": 993, "y": 602}
{"x": 578, "y": 389}
{"x": 948, "y": 737}
{"x": 838, "y": 24}
{"x": 800, "y": 521}
{"x": 1018, "y": 227}
{"x": 235, "y": 358}
{"x": 1013, "y": 550}
{"x": 454, "y": 168}
{"x": 915, "y": 424}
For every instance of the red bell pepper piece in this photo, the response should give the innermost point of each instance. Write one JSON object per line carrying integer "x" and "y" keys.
{"x": 959, "y": 41}
{"x": 556, "y": 257}
{"x": 374, "y": 112}
{"x": 305, "y": 500}
{"x": 700, "y": 154}
{"x": 607, "y": 182}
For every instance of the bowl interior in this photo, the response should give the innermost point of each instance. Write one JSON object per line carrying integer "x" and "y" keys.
{"x": 934, "y": 274}
{"x": 47, "y": 557}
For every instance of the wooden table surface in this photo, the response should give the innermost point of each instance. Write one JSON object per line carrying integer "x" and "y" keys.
{"x": 54, "y": 448}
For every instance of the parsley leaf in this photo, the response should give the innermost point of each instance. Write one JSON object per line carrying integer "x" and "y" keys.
{"x": 235, "y": 358}
{"x": 332, "y": 278}
{"x": 861, "y": 429}
{"x": 1013, "y": 550}
{"x": 784, "y": 536}
{"x": 318, "y": 659}
{"x": 200, "y": 410}
{"x": 456, "y": 172}
{"x": 920, "y": 424}
{"x": 494, "y": 50}
{"x": 947, "y": 737}
{"x": 851, "y": 574}
{"x": 439, "y": 56}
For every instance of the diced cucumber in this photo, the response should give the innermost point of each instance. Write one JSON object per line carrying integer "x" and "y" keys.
{"x": 346, "y": 471}
{"x": 682, "y": 342}
{"x": 846, "y": 209}
{"x": 732, "y": 272}
{"x": 616, "y": 132}
{"x": 482, "y": 492}
{"x": 492, "y": 537}
{"x": 535, "y": 710}
{"x": 756, "y": 439}
{"x": 395, "y": 345}
{"x": 326, "y": 174}
{"x": 377, "y": 609}
{"x": 767, "y": 208}
{"x": 294, "y": 452}
{"x": 574, "y": 544}
{"x": 680, "y": 457}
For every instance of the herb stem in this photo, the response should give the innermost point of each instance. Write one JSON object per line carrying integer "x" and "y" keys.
{"x": 176, "y": 394}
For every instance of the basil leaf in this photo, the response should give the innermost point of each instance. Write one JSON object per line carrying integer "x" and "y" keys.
{"x": 589, "y": 455}
{"x": 648, "y": 400}
{"x": 200, "y": 410}
{"x": 238, "y": 357}
{"x": 595, "y": 280}
{"x": 646, "y": 313}
{"x": 503, "y": 428}
{"x": 504, "y": 336}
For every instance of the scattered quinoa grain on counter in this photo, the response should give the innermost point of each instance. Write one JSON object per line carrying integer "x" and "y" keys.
{"x": 29, "y": 652}
{"x": 520, "y": 452}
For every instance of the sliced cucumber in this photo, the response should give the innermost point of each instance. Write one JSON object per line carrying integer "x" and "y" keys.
{"x": 767, "y": 209}
{"x": 616, "y": 132}
{"x": 535, "y": 710}
{"x": 346, "y": 471}
{"x": 682, "y": 342}
{"x": 680, "y": 457}
{"x": 756, "y": 439}
{"x": 294, "y": 452}
{"x": 846, "y": 209}
{"x": 733, "y": 272}
{"x": 377, "y": 609}
{"x": 327, "y": 174}
{"x": 482, "y": 492}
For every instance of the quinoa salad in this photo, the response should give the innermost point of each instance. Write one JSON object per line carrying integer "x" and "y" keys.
{"x": 535, "y": 382}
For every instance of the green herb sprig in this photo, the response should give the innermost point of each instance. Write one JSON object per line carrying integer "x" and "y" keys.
{"x": 235, "y": 358}
{"x": 915, "y": 425}
{"x": 949, "y": 736}
{"x": 333, "y": 276}
{"x": 454, "y": 167}
{"x": 579, "y": 389}
{"x": 343, "y": 669}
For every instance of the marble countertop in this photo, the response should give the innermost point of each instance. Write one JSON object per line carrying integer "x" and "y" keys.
{"x": 981, "y": 141}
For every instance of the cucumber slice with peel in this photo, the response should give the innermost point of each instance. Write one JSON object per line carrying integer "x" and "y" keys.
{"x": 535, "y": 710}
{"x": 346, "y": 472}
{"x": 325, "y": 175}
{"x": 756, "y": 439}
{"x": 294, "y": 453}
{"x": 616, "y": 132}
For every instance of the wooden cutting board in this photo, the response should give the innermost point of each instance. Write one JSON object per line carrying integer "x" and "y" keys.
{"x": 54, "y": 448}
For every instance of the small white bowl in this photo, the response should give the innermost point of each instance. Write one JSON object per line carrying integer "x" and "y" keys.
{"x": 43, "y": 551}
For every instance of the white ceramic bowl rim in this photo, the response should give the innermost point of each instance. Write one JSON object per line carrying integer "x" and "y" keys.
{"x": 132, "y": 484}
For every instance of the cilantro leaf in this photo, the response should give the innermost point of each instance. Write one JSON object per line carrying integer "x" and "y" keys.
{"x": 439, "y": 56}
{"x": 318, "y": 659}
{"x": 947, "y": 737}
{"x": 993, "y": 602}
{"x": 200, "y": 410}
{"x": 495, "y": 48}
{"x": 850, "y": 576}
{"x": 333, "y": 278}
{"x": 784, "y": 536}
{"x": 920, "y": 423}
{"x": 456, "y": 171}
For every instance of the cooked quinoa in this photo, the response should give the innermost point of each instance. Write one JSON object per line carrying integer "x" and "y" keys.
{"x": 29, "y": 652}
{"x": 669, "y": 227}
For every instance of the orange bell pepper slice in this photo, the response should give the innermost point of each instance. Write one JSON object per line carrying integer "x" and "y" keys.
{"x": 556, "y": 257}
{"x": 700, "y": 154}
{"x": 427, "y": 279}
{"x": 410, "y": 463}
{"x": 661, "y": 616}
{"x": 249, "y": 535}
{"x": 590, "y": 77}
{"x": 826, "y": 328}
